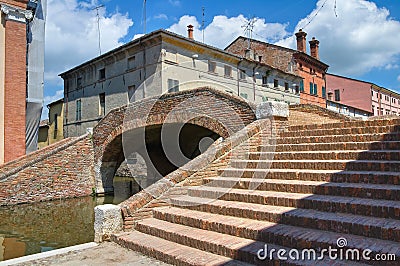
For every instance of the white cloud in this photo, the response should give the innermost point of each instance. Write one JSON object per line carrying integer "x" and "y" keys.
{"x": 391, "y": 66}
{"x": 223, "y": 30}
{"x": 175, "y": 2}
{"x": 161, "y": 16}
{"x": 360, "y": 38}
{"x": 72, "y": 35}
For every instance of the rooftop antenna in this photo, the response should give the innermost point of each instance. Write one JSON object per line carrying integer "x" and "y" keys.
{"x": 144, "y": 16}
{"x": 202, "y": 23}
{"x": 248, "y": 29}
{"x": 98, "y": 23}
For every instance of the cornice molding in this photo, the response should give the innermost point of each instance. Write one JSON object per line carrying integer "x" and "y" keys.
{"x": 16, "y": 14}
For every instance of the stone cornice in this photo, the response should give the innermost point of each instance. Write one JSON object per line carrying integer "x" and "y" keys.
{"x": 16, "y": 14}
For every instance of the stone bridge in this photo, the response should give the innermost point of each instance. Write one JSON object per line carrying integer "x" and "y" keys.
{"x": 167, "y": 131}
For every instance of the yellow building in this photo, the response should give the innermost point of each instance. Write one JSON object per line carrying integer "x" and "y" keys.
{"x": 43, "y": 136}
{"x": 56, "y": 116}
{"x": 51, "y": 130}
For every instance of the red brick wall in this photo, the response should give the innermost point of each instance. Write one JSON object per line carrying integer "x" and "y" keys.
{"x": 62, "y": 170}
{"x": 16, "y": 3}
{"x": 15, "y": 90}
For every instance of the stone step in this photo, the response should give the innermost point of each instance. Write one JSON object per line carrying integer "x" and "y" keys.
{"x": 350, "y": 165}
{"x": 238, "y": 191}
{"x": 347, "y": 124}
{"x": 170, "y": 252}
{"x": 389, "y": 155}
{"x": 342, "y": 131}
{"x": 367, "y": 177}
{"x": 385, "y": 229}
{"x": 279, "y": 234}
{"x": 294, "y": 147}
{"x": 234, "y": 247}
{"x": 339, "y": 138}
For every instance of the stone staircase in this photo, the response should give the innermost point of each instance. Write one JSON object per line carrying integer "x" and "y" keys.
{"x": 307, "y": 189}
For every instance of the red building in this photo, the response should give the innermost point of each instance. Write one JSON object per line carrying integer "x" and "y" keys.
{"x": 13, "y": 43}
{"x": 362, "y": 95}
{"x": 309, "y": 67}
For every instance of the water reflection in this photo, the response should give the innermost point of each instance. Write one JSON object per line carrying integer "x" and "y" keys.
{"x": 33, "y": 228}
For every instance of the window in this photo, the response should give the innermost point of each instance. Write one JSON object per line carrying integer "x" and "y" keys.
{"x": 131, "y": 93}
{"x": 323, "y": 92}
{"x": 55, "y": 122}
{"x": 212, "y": 66}
{"x": 78, "y": 110}
{"x": 315, "y": 89}
{"x": 102, "y": 73}
{"x": 242, "y": 74}
{"x": 102, "y": 104}
{"x": 131, "y": 62}
{"x": 297, "y": 89}
{"x": 79, "y": 82}
{"x": 302, "y": 86}
{"x": 265, "y": 80}
{"x": 173, "y": 85}
{"x": 228, "y": 71}
{"x": 373, "y": 109}
{"x": 276, "y": 83}
{"x": 337, "y": 95}
{"x": 372, "y": 93}
{"x": 243, "y": 95}
{"x": 311, "y": 88}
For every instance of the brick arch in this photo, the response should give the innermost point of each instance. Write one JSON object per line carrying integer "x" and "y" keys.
{"x": 107, "y": 135}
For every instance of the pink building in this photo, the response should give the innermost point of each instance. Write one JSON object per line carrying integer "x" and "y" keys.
{"x": 362, "y": 95}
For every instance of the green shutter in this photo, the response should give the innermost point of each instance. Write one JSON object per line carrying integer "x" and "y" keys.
{"x": 311, "y": 88}
{"x": 315, "y": 89}
{"x": 302, "y": 86}
{"x": 323, "y": 92}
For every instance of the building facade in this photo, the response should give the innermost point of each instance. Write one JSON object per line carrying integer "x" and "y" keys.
{"x": 56, "y": 119}
{"x": 162, "y": 62}
{"x": 309, "y": 67}
{"x": 51, "y": 129}
{"x": 14, "y": 16}
{"x": 365, "y": 96}
{"x": 21, "y": 77}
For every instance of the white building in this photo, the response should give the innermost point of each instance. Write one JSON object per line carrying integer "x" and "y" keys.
{"x": 162, "y": 62}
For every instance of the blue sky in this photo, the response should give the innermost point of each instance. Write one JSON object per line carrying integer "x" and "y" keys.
{"x": 358, "y": 38}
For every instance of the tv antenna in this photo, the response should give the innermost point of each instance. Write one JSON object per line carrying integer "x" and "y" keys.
{"x": 98, "y": 24}
{"x": 203, "y": 22}
{"x": 248, "y": 30}
{"x": 144, "y": 16}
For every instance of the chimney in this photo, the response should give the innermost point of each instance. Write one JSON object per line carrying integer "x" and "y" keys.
{"x": 190, "y": 31}
{"x": 314, "y": 44}
{"x": 301, "y": 41}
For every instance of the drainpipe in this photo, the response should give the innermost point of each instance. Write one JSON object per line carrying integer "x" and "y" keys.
{"x": 144, "y": 66}
{"x": 254, "y": 82}
{"x": 238, "y": 76}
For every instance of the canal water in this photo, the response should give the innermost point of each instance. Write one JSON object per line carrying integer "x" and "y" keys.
{"x": 33, "y": 228}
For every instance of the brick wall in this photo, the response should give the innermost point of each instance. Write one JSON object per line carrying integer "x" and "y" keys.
{"x": 15, "y": 90}
{"x": 208, "y": 104}
{"x": 309, "y": 114}
{"x": 217, "y": 157}
{"x": 62, "y": 170}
